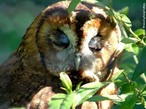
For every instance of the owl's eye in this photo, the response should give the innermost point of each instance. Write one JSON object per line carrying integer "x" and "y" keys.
{"x": 95, "y": 43}
{"x": 62, "y": 40}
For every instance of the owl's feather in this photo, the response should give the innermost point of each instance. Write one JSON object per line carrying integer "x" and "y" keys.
{"x": 83, "y": 44}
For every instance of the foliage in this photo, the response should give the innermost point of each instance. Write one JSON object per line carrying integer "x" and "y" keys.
{"x": 131, "y": 80}
{"x": 76, "y": 97}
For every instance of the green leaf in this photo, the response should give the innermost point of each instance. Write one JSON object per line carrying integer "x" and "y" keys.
{"x": 72, "y": 5}
{"x": 124, "y": 10}
{"x": 127, "y": 62}
{"x": 78, "y": 85}
{"x": 129, "y": 40}
{"x": 128, "y": 87}
{"x": 56, "y": 101}
{"x": 117, "y": 98}
{"x": 136, "y": 49}
{"x": 97, "y": 98}
{"x": 86, "y": 91}
{"x": 66, "y": 82}
{"x": 61, "y": 101}
{"x": 140, "y": 32}
{"x": 141, "y": 66}
{"x": 129, "y": 102}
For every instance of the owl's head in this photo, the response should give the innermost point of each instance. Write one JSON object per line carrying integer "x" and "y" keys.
{"x": 80, "y": 43}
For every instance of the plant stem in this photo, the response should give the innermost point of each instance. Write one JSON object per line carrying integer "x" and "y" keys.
{"x": 129, "y": 81}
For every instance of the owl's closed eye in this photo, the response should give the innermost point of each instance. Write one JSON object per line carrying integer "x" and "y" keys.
{"x": 83, "y": 44}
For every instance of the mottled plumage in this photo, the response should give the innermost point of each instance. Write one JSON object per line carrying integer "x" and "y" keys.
{"x": 83, "y": 44}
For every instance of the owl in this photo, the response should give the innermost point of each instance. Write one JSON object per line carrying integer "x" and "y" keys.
{"x": 83, "y": 43}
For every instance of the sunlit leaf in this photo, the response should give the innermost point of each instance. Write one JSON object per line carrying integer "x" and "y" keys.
{"x": 61, "y": 101}
{"x": 140, "y": 32}
{"x": 144, "y": 92}
{"x": 136, "y": 49}
{"x": 117, "y": 15}
{"x": 144, "y": 89}
{"x": 86, "y": 91}
{"x": 141, "y": 66}
{"x": 56, "y": 101}
{"x": 129, "y": 102}
{"x": 117, "y": 75}
{"x": 66, "y": 82}
{"x": 126, "y": 20}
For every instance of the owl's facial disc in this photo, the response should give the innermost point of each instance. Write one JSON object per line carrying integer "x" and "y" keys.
{"x": 85, "y": 57}
{"x": 77, "y": 42}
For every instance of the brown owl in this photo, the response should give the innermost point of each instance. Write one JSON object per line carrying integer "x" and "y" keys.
{"x": 83, "y": 44}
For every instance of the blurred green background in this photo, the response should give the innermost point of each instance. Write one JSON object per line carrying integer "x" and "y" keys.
{"x": 17, "y": 15}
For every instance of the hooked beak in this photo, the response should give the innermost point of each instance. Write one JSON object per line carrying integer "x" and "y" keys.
{"x": 77, "y": 61}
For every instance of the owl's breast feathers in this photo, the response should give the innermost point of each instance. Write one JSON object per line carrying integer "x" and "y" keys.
{"x": 83, "y": 44}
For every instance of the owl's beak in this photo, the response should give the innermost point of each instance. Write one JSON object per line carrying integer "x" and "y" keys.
{"x": 77, "y": 61}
